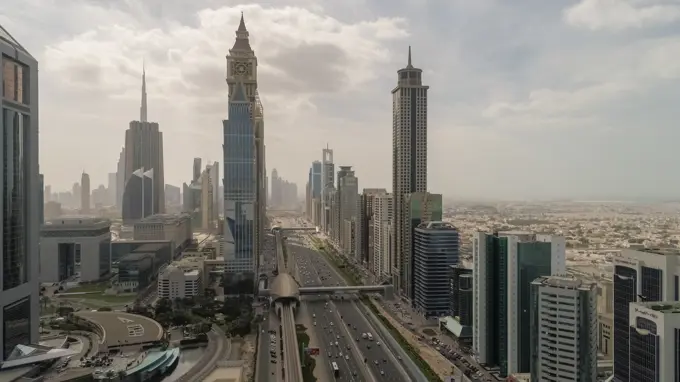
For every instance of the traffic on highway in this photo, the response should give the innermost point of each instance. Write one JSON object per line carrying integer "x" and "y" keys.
{"x": 338, "y": 319}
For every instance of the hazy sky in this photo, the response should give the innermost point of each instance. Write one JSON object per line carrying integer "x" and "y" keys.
{"x": 528, "y": 98}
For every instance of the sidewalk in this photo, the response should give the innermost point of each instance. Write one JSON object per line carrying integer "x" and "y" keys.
{"x": 438, "y": 362}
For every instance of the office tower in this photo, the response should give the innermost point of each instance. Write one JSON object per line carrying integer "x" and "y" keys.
{"x": 191, "y": 199}
{"x": 605, "y": 317}
{"x": 505, "y": 264}
{"x": 563, "y": 330}
{"x": 173, "y": 195}
{"x": 460, "y": 282}
{"x": 197, "y": 170}
{"x": 240, "y": 183}
{"x": 640, "y": 275}
{"x": 327, "y": 185}
{"x": 138, "y": 196}
{"x": 382, "y": 214}
{"x": 436, "y": 247}
{"x": 349, "y": 203}
{"x": 418, "y": 207}
{"x": 364, "y": 230}
{"x": 337, "y": 224}
{"x": 120, "y": 179}
{"x": 85, "y": 193}
{"x": 308, "y": 195}
{"x": 144, "y": 150}
{"x": 19, "y": 310}
{"x": 409, "y": 160}
{"x": 48, "y": 193}
{"x": 41, "y": 199}
{"x": 654, "y": 329}
{"x": 207, "y": 200}
{"x": 111, "y": 189}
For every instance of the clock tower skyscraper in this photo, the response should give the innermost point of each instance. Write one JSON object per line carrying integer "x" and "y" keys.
{"x": 242, "y": 82}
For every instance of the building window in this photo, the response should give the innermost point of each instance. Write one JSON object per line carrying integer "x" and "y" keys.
{"x": 16, "y": 325}
{"x": 15, "y": 82}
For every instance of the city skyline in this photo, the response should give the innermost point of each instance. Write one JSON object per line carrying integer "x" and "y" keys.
{"x": 533, "y": 103}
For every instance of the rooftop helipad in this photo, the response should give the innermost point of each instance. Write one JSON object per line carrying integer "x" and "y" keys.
{"x": 118, "y": 329}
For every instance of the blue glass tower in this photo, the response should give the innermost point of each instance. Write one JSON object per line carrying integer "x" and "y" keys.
{"x": 239, "y": 186}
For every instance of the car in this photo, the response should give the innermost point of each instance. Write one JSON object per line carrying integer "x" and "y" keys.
{"x": 272, "y": 361}
{"x": 376, "y": 362}
{"x": 382, "y": 372}
{"x": 357, "y": 339}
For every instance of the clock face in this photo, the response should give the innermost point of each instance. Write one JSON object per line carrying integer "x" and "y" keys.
{"x": 240, "y": 69}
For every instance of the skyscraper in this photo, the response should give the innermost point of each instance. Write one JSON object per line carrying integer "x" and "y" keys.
{"x": 327, "y": 185}
{"x": 504, "y": 266}
{"x": 242, "y": 77}
{"x": 409, "y": 158}
{"x": 144, "y": 150}
{"x": 85, "y": 193}
{"x": 19, "y": 301}
{"x": 138, "y": 196}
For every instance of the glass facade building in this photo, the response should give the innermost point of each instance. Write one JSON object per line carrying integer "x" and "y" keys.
{"x": 435, "y": 250}
{"x": 461, "y": 293}
{"x": 137, "y": 197}
{"x": 316, "y": 179}
{"x": 239, "y": 186}
{"x": 20, "y": 196}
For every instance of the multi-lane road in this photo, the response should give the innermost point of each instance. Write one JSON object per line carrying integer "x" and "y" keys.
{"x": 375, "y": 361}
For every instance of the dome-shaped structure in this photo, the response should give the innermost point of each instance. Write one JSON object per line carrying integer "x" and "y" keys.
{"x": 284, "y": 286}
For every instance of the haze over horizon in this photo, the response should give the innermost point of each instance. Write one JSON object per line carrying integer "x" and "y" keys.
{"x": 528, "y": 99}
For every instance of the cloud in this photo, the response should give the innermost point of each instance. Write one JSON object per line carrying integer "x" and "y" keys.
{"x": 523, "y": 92}
{"x": 618, "y": 15}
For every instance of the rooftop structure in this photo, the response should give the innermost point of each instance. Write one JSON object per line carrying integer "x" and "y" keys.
{"x": 119, "y": 329}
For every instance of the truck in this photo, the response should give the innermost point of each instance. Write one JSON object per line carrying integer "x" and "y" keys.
{"x": 370, "y": 337}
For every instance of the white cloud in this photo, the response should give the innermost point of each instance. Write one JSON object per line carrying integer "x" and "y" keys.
{"x": 620, "y": 14}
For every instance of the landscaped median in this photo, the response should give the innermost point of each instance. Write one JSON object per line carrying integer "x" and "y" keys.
{"x": 344, "y": 268}
{"x": 412, "y": 352}
{"x": 308, "y": 362}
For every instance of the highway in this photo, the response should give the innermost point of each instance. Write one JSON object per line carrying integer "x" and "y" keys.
{"x": 293, "y": 369}
{"x": 343, "y": 312}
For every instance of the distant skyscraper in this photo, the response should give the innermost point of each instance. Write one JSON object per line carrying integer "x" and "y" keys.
{"x": 215, "y": 182}
{"x": 173, "y": 195}
{"x": 19, "y": 300}
{"x": 197, "y": 169}
{"x": 409, "y": 158}
{"x": 144, "y": 150}
{"x": 76, "y": 195}
{"x": 85, "y": 193}
{"x": 120, "y": 179}
{"x": 327, "y": 185}
{"x": 41, "y": 199}
{"x": 564, "y": 330}
{"x": 111, "y": 189}
{"x": 138, "y": 196}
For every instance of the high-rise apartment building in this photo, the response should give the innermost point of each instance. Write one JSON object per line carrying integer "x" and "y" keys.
{"x": 85, "y": 193}
{"x": 409, "y": 161}
{"x": 436, "y": 248}
{"x": 640, "y": 275}
{"x": 348, "y": 186}
{"x": 327, "y": 187}
{"x": 19, "y": 301}
{"x": 207, "y": 200}
{"x": 144, "y": 150}
{"x": 418, "y": 207}
{"x": 505, "y": 265}
{"x": 382, "y": 215}
{"x": 364, "y": 227}
{"x": 563, "y": 330}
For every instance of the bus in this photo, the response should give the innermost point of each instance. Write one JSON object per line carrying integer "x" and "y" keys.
{"x": 336, "y": 370}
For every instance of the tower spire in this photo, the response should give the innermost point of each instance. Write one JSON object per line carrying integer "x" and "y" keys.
{"x": 142, "y": 109}
{"x": 242, "y": 43}
{"x": 242, "y": 25}
{"x": 409, "y": 65}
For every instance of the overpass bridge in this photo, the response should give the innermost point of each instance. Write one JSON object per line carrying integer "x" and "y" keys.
{"x": 287, "y": 229}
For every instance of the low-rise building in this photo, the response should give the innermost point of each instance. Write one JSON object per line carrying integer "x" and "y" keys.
{"x": 136, "y": 271}
{"x": 72, "y": 246}
{"x": 176, "y": 281}
{"x": 176, "y": 228}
